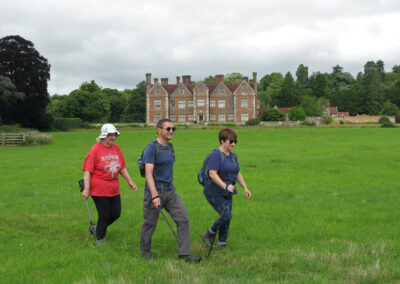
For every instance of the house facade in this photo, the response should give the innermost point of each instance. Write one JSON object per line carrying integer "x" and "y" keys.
{"x": 187, "y": 102}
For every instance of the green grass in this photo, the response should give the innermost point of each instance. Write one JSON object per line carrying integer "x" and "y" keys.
{"x": 325, "y": 208}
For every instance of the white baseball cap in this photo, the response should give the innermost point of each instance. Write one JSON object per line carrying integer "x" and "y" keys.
{"x": 107, "y": 129}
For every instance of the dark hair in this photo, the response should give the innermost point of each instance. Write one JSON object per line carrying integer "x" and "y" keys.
{"x": 160, "y": 123}
{"x": 227, "y": 133}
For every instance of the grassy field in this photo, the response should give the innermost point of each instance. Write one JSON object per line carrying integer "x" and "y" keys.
{"x": 325, "y": 208}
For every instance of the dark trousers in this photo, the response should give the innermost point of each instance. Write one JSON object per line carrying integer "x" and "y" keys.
{"x": 223, "y": 205}
{"x": 108, "y": 210}
{"x": 172, "y": 203}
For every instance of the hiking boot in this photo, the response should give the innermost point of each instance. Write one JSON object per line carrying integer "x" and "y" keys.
{"x": 189, "y": 258}
{"x": 208, "y": 238}
{"x": 221, "y": 245}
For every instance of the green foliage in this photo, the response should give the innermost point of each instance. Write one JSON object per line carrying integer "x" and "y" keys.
{"x": 390, "y": 109}
{"x": 67, "y": 123}
{"x": 273, "y": 115}
{"x": 384, "y": 119}
{"x": 308, "y": 123}
{"x": 388, "y": 124}
{"x": 136, "y": 108}
{"x": 234, "y": 77}
{"x": 325, "y": 119}
{"x": 297, "y": 113}
{"x": 253, "y": 121}
{"x": 287, "y": 95}
{"x": 29, "y": 73}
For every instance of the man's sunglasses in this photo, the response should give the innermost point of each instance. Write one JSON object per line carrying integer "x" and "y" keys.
{"x": 170, "y": 128}
{"x": 232, "y": 141}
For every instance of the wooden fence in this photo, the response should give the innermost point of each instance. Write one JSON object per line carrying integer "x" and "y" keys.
{"x": 8, "y": 139}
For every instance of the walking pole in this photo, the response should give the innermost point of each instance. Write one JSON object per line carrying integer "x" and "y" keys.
{"x": 212, "y": 244}
{"x": 169, "y": 224}
{"x": 82, "y": 186}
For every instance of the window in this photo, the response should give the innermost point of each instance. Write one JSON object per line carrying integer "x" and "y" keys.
{"x": 200, "y": 102}
{"x": 245, "y": 116}
{"x": 230, "y": 103}
{"x": 182, "y": 118}
{"x": 221, "y": 117}
{"x": 157, "y": 117}
{"x": 212, "y": 117}
{"x": 245, "y": 102}
{"x": 244, "y": 90}
{"x": 231, "y": 117}
{"x": 181, "y": 104}
{"x": 181, "y": 91}
{"x": 221, "y": 103}
{"x": 190, "y": 103}
{"x": 173, "y": 117}
{"x": 221, "y": 90}
{"x": 157, "y": 104}
{"x": 157, "y": 90}
{"x": 212, "y": 103}
{"x": 191, "y": 117}
{"x": 201, "y": 89}
{"x": 172, "y": 103}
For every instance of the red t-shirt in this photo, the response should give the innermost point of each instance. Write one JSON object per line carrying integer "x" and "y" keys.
{"x": 104, "y": 163}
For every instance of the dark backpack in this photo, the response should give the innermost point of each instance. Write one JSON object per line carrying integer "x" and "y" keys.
{"x": 202, "y": 176}
{"x": 141, "y": 165}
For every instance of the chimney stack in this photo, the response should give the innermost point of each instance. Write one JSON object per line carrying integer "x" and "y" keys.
{"x": 178, "y": 80}
{"x": 148, "y": 80}
{"x": 164, "y": 81}
{"x": 255, "y": 81}
{"x": 245, "y": 78}
{"x": 219, "y": 78}
{"x": 186, "y": 79}
{"x": 155, "y": 80}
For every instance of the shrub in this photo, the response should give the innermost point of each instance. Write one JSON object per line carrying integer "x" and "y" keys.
{"x": 336, "y": 122}
{"x": 253, "y": 121}
{"x": 67, "y": 123}
{"x": 326, "y": 119}
{"x": 297, "y": 113}
{"x": 37, "y": 138}
{"x": 388, "y": 124}
{"x": 384, "y": 119}
{"x": 273, "y": 115}
{"x": 308, "y": 123}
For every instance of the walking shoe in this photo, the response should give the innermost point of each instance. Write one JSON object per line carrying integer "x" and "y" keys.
{"x": 222, "y": 245}
{"x": 189, "y": 258}
{"x": 101, "y": 241}
{"x": 208, "y": 238}
{"x": 147, "y": 255}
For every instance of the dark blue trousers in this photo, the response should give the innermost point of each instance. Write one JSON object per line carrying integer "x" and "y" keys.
{"x": 223, "y": 205}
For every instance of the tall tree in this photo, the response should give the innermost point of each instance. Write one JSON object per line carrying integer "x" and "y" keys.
{"x": 234, "y": 77}
{"x": 29, "y": 72}
{"x": 136, "y": 106}
{"x": 320, "y": 85}
{"x": 302, "y": 83}
{"x": 117, "y": 103}
{"x": 375, "y": 94}
{"x": 10, "y": 98}
{"x": 287, "y": 95}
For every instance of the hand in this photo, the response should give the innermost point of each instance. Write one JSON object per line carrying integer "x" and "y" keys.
{"x": 248, "y": 193}
{"x": 231, "y": 188}
{"x": 85, "y": 193}
{"x": 156, "y": 202}
{"x": 133, "y": 186}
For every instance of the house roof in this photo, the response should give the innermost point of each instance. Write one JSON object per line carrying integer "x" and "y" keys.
{"x": 170, "y": 88}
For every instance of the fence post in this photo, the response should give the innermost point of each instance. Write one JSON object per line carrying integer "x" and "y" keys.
{"x": 3, "y": 138}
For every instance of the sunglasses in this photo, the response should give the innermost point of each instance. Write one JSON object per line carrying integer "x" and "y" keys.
{"x": 170, "y": 128}
{"x": 232, "y": 141}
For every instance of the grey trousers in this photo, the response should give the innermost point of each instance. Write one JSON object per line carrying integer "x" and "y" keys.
{"x": 172, "y": 203}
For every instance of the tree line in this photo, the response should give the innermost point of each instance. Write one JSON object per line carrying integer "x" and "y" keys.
{"x": 24, "y": 98}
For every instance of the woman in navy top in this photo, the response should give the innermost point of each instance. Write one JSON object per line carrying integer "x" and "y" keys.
{"x": 224, "y": 171}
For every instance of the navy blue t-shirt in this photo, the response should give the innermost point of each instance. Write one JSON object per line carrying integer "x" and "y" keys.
{"x": 228, "y": 171}
{"x": 163, "y": 165}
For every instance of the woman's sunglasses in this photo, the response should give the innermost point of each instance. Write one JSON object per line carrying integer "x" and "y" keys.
{"x": 170, "y": 128}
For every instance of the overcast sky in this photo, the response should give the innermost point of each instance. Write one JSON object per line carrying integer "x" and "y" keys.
{"x": 116, "y": 42}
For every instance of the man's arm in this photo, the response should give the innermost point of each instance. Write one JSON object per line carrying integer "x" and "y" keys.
{"x": 149, "y": 168}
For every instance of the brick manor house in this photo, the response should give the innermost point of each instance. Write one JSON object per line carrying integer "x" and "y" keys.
{"x": 185, "y": 102}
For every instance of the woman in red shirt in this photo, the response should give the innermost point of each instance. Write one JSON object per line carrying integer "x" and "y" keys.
{"x": 102, "y": 165}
